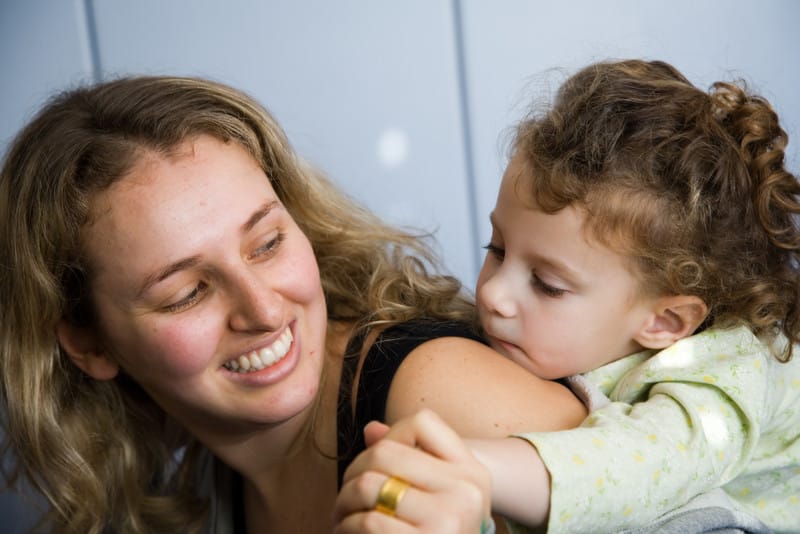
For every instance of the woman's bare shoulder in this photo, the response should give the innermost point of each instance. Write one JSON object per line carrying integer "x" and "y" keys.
{"x": 479, "y": 392}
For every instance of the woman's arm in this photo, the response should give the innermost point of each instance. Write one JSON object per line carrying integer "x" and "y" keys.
{"x": 478, "y": 392}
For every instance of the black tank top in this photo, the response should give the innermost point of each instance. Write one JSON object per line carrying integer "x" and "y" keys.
{"x": 380, "y": 365}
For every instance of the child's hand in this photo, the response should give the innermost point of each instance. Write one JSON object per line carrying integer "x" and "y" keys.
{"x": 374, "y": 431}
{"x": 448, "y": 490}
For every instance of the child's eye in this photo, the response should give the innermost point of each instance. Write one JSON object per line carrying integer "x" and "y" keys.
{"x": 192, "y": 298}
{"x": 268, "y": 248}
{"x": 495, "y": 251}
{"x": 546, "y": 288}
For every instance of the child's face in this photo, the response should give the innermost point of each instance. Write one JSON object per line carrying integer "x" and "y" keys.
{"x": 551, "y": 299}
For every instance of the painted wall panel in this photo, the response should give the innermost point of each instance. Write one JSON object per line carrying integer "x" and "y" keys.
{"x": 366, "y": 90}
{"x": 511, "y": 45}
{"x": 43, "y": 47}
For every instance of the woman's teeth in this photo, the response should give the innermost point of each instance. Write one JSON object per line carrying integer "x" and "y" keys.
{"x": 258, "y": 359}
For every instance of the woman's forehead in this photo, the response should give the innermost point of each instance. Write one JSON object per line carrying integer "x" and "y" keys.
{"x": 177, "y": 201}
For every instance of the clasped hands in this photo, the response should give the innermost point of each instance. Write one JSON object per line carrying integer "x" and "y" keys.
{"x": 415, "y": 476}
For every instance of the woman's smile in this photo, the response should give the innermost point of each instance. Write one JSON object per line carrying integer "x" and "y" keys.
{"x": 265, "y": 357}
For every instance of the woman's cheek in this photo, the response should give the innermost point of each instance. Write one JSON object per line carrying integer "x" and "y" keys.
{"x": 184, "y": 345}
{"x": 306, "y": 286}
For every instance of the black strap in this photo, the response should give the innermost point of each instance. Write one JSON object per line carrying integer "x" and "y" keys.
{"x": 380, "y": 365}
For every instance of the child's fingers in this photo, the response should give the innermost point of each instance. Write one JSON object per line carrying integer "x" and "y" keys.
{"x": 374, "y": 431}
{"x": 429, "y": 432}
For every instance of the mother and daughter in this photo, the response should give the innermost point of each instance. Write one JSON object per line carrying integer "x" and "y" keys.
{"x": 195, "y": 325}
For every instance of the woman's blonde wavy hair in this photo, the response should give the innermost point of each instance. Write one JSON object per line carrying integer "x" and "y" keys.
{"x": 690, "y": 185}
{"x": 102, "y": 452}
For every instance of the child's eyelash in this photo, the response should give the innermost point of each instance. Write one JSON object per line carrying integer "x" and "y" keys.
{"x": 495, "y": 250}
{"x": 547, "y": 289}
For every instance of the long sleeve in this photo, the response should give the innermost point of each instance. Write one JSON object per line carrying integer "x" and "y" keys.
{"x": 682, "y": 422}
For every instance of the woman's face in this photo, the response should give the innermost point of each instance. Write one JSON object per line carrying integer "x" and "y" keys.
{"x": 198, "y": 271}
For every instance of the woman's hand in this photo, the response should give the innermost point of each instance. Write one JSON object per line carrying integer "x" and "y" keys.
{"x": 449, "y": 490}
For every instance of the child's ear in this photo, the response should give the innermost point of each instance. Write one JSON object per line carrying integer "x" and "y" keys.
{"x": 84, "y": 349}
{"x": 673, "y": 318}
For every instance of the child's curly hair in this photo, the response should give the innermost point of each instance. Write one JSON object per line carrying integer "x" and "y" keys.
{"x": 690, "y": 185}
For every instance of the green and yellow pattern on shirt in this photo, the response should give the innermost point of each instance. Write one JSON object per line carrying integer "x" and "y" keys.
{"x": 713, "y": 410}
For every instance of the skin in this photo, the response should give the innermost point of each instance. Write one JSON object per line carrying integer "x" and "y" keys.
{"x": 446, "y": 495}
{"x": 194, "y": 262}
{"x": 550, "y": 299}
{"x": 177, "y": 304}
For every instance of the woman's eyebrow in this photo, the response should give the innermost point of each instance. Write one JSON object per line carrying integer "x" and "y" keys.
{"x": 170, "y": 269}
{"x": 191, "y": 261}
{"x": 259, "y": 214}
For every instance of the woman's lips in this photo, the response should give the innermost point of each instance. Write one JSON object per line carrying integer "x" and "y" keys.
{"x": 257, "y": 360}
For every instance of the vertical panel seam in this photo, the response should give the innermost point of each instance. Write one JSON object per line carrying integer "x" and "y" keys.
{"x": 466, "y": 136}
{"x": 94, "y": 46}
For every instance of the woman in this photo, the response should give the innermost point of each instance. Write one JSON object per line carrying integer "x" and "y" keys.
{"x": 184, "y": 293}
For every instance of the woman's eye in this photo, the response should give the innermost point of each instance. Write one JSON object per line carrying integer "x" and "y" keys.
{"x": 269, "y": 247}
{"x": 195, "y": 295}
{"x": 547, "y": 289}
{"x": 495, "y": 251}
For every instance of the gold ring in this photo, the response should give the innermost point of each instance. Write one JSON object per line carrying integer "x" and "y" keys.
{"x": 390, "y": 494}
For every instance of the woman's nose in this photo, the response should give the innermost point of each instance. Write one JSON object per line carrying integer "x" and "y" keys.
{"x": 255, "y": 305}
{"x": 496, "y": 295}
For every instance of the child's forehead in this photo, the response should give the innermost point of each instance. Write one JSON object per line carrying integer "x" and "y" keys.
{"x": 551, "y": 191}
{"x": 518, "y": 166}
{"x": 589, "y": 213}
{"x": 532, "y": 188}
{"x": 518, "y": 177}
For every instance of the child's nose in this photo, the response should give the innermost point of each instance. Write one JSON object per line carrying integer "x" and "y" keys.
{"x": 497, "y": 296}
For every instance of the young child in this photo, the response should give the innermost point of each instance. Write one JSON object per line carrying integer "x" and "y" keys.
{"x": 645, "y": 249}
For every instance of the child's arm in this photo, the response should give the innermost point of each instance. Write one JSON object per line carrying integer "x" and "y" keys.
{"x": 520, "y": 481}
{"x": 629, "y": 464}
{"x": 446, "y": 477}
{"x": 693, "y": 418}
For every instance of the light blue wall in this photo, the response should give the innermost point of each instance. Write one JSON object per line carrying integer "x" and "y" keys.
{"x": 403, "y": 103}
{"x": 708, "y": 40}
